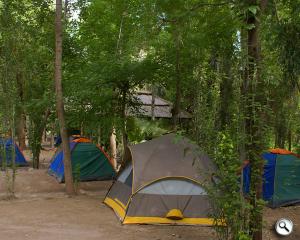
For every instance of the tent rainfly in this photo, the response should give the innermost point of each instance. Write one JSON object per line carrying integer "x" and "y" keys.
{"x": 89, "y": 162}
{"x": 11, "y": 150}
{"x": 162, "y": 183}
{"x": 281, "y": 178}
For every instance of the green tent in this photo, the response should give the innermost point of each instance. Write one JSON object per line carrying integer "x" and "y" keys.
{"x": 281, "y": 178}
{"x": 89, "y": 162}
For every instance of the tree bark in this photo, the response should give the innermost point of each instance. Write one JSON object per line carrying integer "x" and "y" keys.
{"x": 59, "y": 100}
{"x": 21, "y": 131}
{"x": 113, "y": 148}
{"x": 251, "y": 128}
{"x": 39, "y": 128}
{"x": 254, "y": 114}
{"x": 21, "y": 123}
{"x": 226, "y": 94}
{"x": 66, "y": 9}
{"x": 290, "y": 139}
{"x": 152, "y": 103}
{"x": 176, "y": 107}
{"x": 124, "y": 131}
{"x": 99, "y": 136}
{"x": 112, "y": 139}
{"x": 281, "y": 134}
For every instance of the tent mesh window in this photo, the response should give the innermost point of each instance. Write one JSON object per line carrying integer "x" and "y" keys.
{"x": 126, "y": 176}
{"x": 174, "y": 187}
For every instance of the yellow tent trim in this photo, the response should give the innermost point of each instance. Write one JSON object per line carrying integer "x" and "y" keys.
{"x": 120, "y": 211}
{"x": 161, "y": 220}
{"x": 174, "y": 214}
{"x": 120, "y": 203}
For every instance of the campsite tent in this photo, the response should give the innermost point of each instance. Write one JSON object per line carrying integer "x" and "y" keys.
{"x": 162, "y": 184}
{"x": 281, "y": 178}
{"x": 9, "y": 145}
{"x": 89, "y": 162}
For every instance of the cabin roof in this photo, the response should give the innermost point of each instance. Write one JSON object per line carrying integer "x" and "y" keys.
{"x": 162, "y": 107}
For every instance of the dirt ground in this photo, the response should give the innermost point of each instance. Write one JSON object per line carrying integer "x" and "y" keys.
{"x": 42, "y": 211}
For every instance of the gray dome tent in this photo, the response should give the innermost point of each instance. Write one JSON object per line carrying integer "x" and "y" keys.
{"x": 162, "y": 183}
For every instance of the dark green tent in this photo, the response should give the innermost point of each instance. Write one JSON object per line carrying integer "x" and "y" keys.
{"x": 281, "y": 178}
{"x": 89, "y": 162}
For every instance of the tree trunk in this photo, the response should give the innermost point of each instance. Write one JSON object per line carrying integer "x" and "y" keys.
{"x": 36, "y": 148}
{"x": 153, "y": 103}
{"x": 251, "y": 126}
{"x": 124, "y": 131}
{"x": 66, "y": 9}
{"x": 59, "y": 100}
{"x": 113, "y": 148}
{"x": 254, "y": 115}
{"x": 112, "y": 140}
{"x": 176, "y": 107}
{"x": 226, "y": 94}
{"x": 52, "y": 135}
{"x": 280, "y": 137}
{"x": 290, "y": 139}
{"x": 21, "y": 131}
{"x": 99, "y": 136}
{"x": 21, "y": 123}
{"x": 82, "y": 128}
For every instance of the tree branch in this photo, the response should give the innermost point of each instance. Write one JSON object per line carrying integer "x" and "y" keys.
{"x": 194, "y": 8}
{"x": 199, "y": 5}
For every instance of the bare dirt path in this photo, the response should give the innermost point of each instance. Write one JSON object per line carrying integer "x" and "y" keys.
{"x": 43, "y": 212}
{"x": 83, "y": 217}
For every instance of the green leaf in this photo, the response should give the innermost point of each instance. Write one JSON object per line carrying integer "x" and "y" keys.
{"x": 250, "y": 26}
{"x": 253, "y": 9}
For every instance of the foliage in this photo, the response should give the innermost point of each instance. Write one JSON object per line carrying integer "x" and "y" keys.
{"x": 142, "y": 129}
{"x": 226, "y": 195}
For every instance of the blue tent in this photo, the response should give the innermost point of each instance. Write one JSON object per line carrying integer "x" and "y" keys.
{"x": 89, "y": 162}
{"x": 9, "y": 145}
{"x": 281, "y": 178}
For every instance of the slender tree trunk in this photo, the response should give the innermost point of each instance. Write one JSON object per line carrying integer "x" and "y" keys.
{"x": 124, "y": 131}
{"x": 226, "y": 94}
{"x": 66, "y": 9}
{"x": 153, "y": 103}
{"x": 21, "y": 123}
{"x": 280, "y": 136}
{"x": 52, "y": 135}
{"x": 112, "y": 139}
{"x": 251, "y": 127}
{"x": 51, "y": 140}
{"x": 255, "y": 116}
{"x": 21, "y": 131}
{"x": 82, "y": 128}
{"x": 290, "y": 139}
{"x": 38, "y": 138}
{"x": 59, "y": 100}
{"x": 99, "y": 136}
{"x": 113, "y": 148}
{"x": 176, "y": 107}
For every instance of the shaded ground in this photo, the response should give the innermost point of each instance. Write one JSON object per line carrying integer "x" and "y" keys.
{"x": 83, "y": 217}
{"x": 43, "y": 212}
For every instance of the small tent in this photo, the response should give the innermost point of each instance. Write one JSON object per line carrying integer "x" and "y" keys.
{"x": 162, "y": 183}
{"x": 9, "y": 145}
{"x": 281, "y": 178}
{"x": 89, "y": 162}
